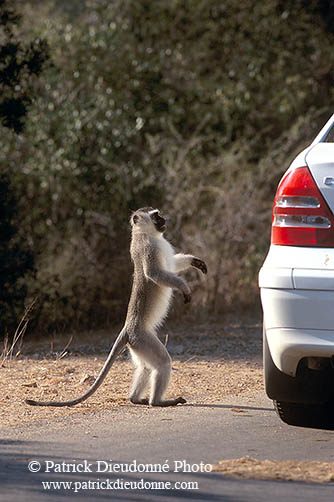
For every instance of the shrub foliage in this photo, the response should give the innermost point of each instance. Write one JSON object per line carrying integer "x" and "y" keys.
{"x": 196, "y": 107}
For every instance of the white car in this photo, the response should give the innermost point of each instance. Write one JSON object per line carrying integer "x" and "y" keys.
{"x": 297, "y": 289}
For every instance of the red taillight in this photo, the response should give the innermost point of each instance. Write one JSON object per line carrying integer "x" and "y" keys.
{"x": 301, "y": 216}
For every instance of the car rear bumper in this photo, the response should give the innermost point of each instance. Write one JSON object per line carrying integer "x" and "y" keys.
{"x": 298, "y": 304}
{"x": 288, "y": 346}
{"x": 307, "y": 387}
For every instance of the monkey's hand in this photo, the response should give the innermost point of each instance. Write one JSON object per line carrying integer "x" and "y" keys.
{"x": 187, "y": 298}
{"x": 200, "y": 264}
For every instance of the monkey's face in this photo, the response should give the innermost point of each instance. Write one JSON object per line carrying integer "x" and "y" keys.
{"x": 148, "y": 220}
{"x": 158, "y": 221}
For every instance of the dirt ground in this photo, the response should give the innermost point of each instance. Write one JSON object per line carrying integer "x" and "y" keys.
{"x": 219, "y": 360}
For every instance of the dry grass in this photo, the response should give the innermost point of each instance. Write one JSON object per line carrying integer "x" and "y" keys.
{"x": 16, "y": 344}
{"x": 287, "y": 470}
{"x": 218, "y": 361}
{"x": 63, "y": 379}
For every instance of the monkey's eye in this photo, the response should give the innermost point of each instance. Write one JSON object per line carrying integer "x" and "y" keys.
{"x": 135, "y": 218}
{"x": 156, "y": 216}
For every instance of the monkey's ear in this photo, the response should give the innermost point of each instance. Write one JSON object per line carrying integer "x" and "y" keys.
{"x": 135, "y": 218}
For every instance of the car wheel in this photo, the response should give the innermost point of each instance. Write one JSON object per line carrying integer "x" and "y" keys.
{"x": 319, "y": 416}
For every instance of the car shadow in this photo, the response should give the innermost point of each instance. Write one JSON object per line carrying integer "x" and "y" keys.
{"x": 229, "y": 406}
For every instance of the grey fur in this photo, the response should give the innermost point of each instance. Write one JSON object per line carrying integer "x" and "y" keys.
{"x": 155, "y": 275}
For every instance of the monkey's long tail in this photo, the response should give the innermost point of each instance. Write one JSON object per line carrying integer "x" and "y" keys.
{"x": 116, "y": 349}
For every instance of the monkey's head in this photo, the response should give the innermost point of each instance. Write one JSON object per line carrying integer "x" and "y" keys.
{"x": 148, "y": 219}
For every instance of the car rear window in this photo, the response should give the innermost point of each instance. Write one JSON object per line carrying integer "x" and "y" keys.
{"x": 330, "y": 136}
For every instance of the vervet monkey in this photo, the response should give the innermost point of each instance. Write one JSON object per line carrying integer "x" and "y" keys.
{"x": 156, "y": 269}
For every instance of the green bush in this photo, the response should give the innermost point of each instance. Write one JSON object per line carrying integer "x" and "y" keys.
{"x": 19, "y": 61}
{"x": 16, "y": 260}
{"x": 178, "y": 104}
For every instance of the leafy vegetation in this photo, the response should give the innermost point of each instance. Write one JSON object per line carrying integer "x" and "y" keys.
{"x": 196, "y": 107}
{"x": 16, "y": 260}
{"x": 18, "y": 62}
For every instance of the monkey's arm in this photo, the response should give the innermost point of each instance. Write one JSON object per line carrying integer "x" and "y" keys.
{"x": 185, "y": 261}
{"x": 154, "y": 272}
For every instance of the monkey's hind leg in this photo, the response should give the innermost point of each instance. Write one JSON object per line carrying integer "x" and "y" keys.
{"x": 160, "y": 377}
{"x": 159, "y": 383}
{"x": 139, "y": 385}
{"x": 149, "y": 353}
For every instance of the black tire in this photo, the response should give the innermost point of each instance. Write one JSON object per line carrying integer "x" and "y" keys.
{"x": 305, "y": 415}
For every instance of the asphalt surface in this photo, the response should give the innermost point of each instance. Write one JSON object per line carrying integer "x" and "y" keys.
{"x": 149, "y": 446}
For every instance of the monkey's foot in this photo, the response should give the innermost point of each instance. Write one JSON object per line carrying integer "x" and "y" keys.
{"x": 139, "y": 401}
{"x": 181, "y": 400}
{"x": 169, "y": 402}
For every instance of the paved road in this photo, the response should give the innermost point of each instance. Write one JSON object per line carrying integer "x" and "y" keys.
{"x": 193, "y": 434}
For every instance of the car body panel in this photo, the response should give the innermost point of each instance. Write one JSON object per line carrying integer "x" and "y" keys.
{"x": 297, "y": 291}
{"x": 294, "y": 257}
{"x": 298, "y": 309}
{"x": 276, "y": 277}
{"x": 320, "y": 160}
{"x": 313, "y": 279}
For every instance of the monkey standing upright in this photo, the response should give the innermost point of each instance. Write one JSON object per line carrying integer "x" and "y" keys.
{"x": 156, "y": 269}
